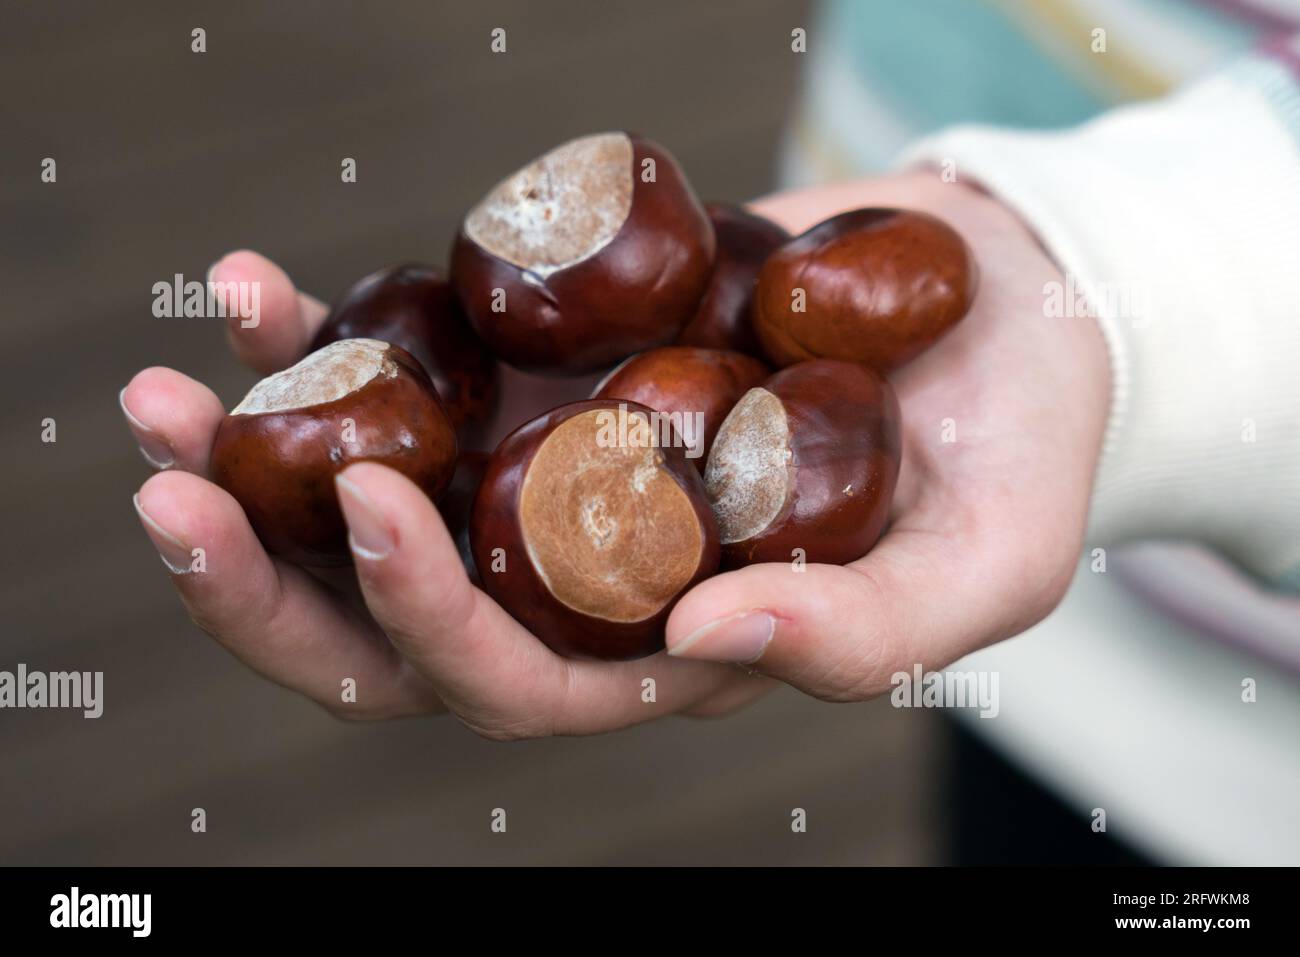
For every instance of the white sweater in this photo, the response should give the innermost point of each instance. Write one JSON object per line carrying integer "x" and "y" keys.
{"x": 1180, "y": 221}
{"x": 1192, "y": 202}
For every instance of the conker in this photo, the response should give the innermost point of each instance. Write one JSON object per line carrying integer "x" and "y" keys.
{"x": 723, "y": 319}
{"x": 808, "y": 461}
{"x": 356, "y": 400}
{"x": 876, "y": 286}
{"x": 597, "y": 250}
{"x": 589, "y": 525}
{"x": 697, "y": 387}
{"x": 414, "y": 307}
{"x": 457, "y": 503}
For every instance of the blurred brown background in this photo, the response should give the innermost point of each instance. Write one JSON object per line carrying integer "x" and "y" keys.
{"x": 167, "y": 159}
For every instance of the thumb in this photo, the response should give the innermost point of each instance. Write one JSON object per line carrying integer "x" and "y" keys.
{"x": 838, "y": 633}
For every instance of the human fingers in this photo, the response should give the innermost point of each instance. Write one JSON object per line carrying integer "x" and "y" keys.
{"x": 273, "y": 616}
{"x": 269, "y": 323}
{"x": 496, "y": 676}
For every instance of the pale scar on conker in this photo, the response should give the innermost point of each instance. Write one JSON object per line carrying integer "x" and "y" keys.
{"x": 414, "y": 306}
{"x": 698, "y": 386}
{"x": 807, "y": 461}
{"x": 279, "y": 449}
{"x": 750, "y": 472}
{"x": 609, "y": 531}
{"x": 322, "y": 377}
{"x": 604, "y": 528}
{"x": 588, "y": 532}
{"x": 575, "y": 261}
{"x": 559, "y": 209}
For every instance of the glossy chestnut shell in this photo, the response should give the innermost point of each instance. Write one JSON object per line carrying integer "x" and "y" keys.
{"x": 879, "y": 286}
{"x": 724, "y": 318}
{"x": 414, "y": 307}
{"x": 457, "y": 503}
{"x": 587, "y": 539}
{"x": 577, "y": 261}
{"x": 807, "y": 461}
{"x": 280, "y": 465}
{"x": 698, "y": 386}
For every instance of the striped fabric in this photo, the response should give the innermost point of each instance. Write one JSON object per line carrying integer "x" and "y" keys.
{"x": 882, "y": 72}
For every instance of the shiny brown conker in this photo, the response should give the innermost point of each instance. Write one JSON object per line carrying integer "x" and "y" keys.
{"x": 589, "y": 525}
{"x": 414, "y": 307}
{"x": 457, "y": 503}
{"x": 697, "y": 387}
{"x": 277, "y": 452}
{"x": 876, "y": 286}
{"x": 723, "y": 319}
{"x": 592, "y": 252}
{"x": 808, "y": 461}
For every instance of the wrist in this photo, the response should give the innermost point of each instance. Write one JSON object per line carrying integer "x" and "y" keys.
{"x": 1194, "y": 302}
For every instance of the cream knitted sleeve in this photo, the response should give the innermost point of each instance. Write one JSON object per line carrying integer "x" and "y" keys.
{"x": 1177, "y": 224}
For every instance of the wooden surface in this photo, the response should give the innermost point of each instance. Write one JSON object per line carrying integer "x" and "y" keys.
{"x": 166, "y": 159}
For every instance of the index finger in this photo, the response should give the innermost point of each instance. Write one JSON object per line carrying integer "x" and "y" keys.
{"x": 495, "y": 676}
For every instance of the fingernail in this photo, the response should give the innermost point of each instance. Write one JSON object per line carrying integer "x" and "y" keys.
{"x": 368, "y": 533}
{"x": 173, "y": 552}
{"x": 740, "y": 638}
{"x": 153, "y": 447}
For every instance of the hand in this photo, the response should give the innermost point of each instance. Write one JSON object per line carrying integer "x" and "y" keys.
{"x": 958, "y": 569}
{"x": 408, "y": 628}
{"x": 986, "y": 530}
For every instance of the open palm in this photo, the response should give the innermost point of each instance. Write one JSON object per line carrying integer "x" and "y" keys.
{"x": 1002, "y": 429}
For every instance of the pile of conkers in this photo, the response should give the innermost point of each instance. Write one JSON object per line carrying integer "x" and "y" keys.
{"x": 590, "y": 521}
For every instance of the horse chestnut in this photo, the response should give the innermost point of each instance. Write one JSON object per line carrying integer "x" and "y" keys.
{"x": 696, "y": 387}
{"x": 876, "y": 286}
{"x": 808, "y": 461}
{"x": 597, "y": 250}
{"x": 589, "y": 525}
{"x": 457, "y": 503}
{"x": 356, "y": 400}
{"x": 414, "y": 307}
{"x": 724, "y": 317}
